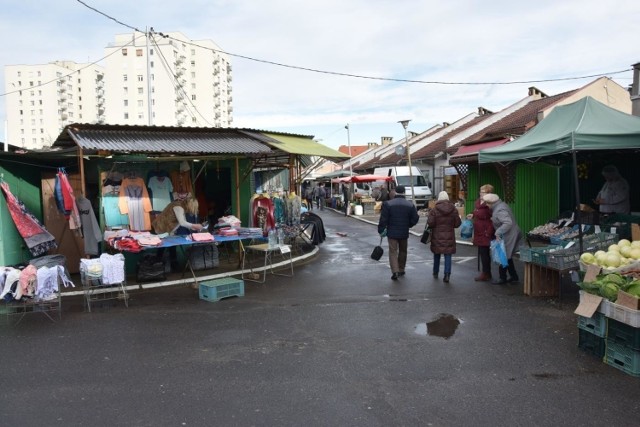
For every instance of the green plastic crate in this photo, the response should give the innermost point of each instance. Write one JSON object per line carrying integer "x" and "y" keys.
{"x": 217, "y": 289}
{"x": 597, "y": 324}
{"x": 591, "y": 343}
{"x": 623, "y": 358}
{"x": 624, "y": 334}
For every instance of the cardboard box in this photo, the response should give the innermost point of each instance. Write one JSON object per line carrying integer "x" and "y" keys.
{"x": 635, "y": 231}
{"x": 628, "y": 300}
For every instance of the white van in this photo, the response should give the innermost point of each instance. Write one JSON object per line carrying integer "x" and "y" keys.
{"x": 401, "y": 176}
{"x": 362, "y": 189}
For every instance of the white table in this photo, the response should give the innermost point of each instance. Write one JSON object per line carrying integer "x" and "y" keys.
{"x": 269, "y": 252}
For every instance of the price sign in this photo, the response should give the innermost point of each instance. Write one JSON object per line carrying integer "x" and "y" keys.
{"x": 285, "y": 249}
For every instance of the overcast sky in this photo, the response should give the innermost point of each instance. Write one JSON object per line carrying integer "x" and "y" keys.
{"x": 445, "y": 41}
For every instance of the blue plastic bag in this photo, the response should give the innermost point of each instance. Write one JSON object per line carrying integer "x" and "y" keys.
{"x": 466, "y": 229}
{"x": 499, "y": 253}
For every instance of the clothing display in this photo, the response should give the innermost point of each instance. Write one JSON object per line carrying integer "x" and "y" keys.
{"x": 63, "y": 194}
{"x": 90, "y": 228}
{"x": 36, "y": 237}
{"x": 134, "y": 201}
{"x": 161, "y": 189}
{"x": 38, "y": 284}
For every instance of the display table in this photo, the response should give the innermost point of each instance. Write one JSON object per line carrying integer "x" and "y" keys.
{"x": 268, "y": 252}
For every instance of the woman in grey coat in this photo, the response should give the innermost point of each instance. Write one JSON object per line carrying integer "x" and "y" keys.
{"x": 507, "y": 230}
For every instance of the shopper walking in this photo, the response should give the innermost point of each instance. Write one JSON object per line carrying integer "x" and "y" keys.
{"x": 483, "y": 233}
{"x": 397, "y": 216}
{"x": 319, "y": 194}
{"x": 345, "y": 198}
{"x": 508, "y": 231}
{"x": 443, "y": 220}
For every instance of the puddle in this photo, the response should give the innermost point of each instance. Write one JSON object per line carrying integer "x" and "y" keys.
{"x": 444, "y": 326}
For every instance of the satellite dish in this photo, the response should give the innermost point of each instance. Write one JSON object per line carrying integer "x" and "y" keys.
{"x": 400, "y": 150}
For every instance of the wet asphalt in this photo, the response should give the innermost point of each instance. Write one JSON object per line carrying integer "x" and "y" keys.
{"x": 339, "y": 344}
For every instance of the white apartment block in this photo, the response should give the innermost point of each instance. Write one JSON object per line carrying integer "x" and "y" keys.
{"x": 42, "y": 99}
{"x": 170, "y": 81}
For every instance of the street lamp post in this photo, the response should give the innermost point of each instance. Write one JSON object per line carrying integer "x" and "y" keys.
{"x": 405, "y": 124}
{"x": 349, "y": 144}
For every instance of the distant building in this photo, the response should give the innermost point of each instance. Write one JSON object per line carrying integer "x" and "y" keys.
{"x": 42, "y": 99}
{"x": 171, "y": 82}
{"x": 188, "y": 83}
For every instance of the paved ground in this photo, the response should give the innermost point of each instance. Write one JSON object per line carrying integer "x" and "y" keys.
{"x": 338, "y": 344}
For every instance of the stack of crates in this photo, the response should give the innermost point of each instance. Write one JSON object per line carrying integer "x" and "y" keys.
{"x": 592, "y": 332}
{"x": 614, "y": 342}
{"x": 623, "y": 347}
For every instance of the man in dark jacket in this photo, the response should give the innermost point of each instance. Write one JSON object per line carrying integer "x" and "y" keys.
{"x": 396, "y": 218}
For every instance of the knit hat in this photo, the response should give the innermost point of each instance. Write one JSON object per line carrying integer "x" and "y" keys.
{"x": 490, "y": 198}
{"x": 443, "y": 195}
{"x": 400, "y": 189}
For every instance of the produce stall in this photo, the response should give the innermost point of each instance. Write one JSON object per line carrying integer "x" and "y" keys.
{"x": 609, "y": 309}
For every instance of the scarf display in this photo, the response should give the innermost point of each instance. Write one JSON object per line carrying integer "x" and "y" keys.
{"x": 35, "y": 236}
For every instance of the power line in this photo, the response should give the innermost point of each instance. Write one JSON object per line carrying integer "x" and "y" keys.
{"x": 107, "y": 16}
{"x": 359, "y": 76}
{"x": 71, "y": 73}
{"x": 432, "y": 82}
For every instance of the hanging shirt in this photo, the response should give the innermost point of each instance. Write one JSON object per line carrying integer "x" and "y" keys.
{"x": 161, "y": 189}
{"x": 134, "y": 201}
{"x": 90, "y": 228}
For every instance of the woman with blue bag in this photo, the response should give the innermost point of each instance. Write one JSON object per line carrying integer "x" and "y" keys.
{"x": 508, "y": 232}
{"x": 483, "y": 233}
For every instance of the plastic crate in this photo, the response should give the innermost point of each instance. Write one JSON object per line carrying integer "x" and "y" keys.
{"x": 217, "y": 289}
{"x": 620, "y": 313}
{"x": 599, "y": 241}
{"x": 591, "y": 343}
{"x": 624, "y": 334}
{"x": 597, "y": 324}
{"x": 563, "y": 259}
{"x": 622, "y": 357}
{"x": 525, "y": 254}
{"x": 540, "y": 255}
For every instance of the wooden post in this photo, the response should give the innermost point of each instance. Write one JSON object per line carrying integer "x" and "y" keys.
{"x": 83, "y": 188}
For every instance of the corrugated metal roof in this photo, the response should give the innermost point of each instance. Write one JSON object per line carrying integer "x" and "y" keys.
{"x": 138, "y": 139}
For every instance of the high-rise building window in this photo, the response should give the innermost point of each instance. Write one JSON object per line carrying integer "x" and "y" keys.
{"x": 126, "y": 116}
{"x": 193, "y": 97}
{"x": 124, "y": 52}
{"x": 140, "y": 103}
{"x": 140, "y": 77}
{"x": 150, "y": 51}
{"x": 151, "y": 64}
{"x": 138, "y": 52}
{"x": 126, "y": 102}
{"x": 140, "y": 91}
{"x": 124, "y": 77}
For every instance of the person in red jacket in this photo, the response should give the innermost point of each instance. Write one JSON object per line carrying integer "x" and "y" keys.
{"x": 483, "y": 232}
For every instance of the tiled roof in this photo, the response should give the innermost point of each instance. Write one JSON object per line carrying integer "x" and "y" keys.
{"x": 440, "y": 144}
{"x": 515, "y": 123}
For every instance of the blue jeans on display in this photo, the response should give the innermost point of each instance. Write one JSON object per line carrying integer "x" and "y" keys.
{"x": 447, "y": 263}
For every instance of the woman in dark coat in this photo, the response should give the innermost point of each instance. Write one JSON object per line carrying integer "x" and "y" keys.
{"x": 483, "y": 233}
{"x": 443, "y": 220}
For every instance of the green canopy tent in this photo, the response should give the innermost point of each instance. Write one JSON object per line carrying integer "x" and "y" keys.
{"x": 585, "y": 125}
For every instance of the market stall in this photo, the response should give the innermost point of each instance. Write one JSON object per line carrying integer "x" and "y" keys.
{"x": 588, "y": 131}
{"x": 367, "y": 203}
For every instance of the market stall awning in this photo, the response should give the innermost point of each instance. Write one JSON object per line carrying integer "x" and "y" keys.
{"x": 297, "y": 144}
{"x": 585, "y": 125}
{"x": 470, "y": 152}
{"x": 362, "y": 178}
